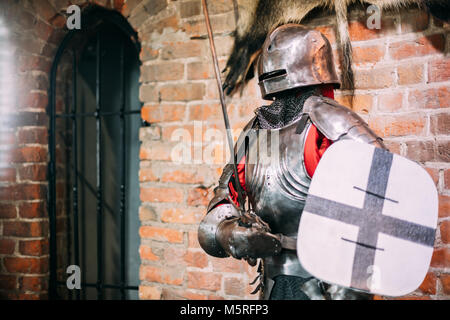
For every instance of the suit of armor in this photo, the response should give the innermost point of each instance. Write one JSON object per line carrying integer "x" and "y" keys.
{"x": 276, "y": 179}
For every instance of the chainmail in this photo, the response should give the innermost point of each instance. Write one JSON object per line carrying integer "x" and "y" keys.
{"x": 285, "y": 109}
{"x": 288, "y": 288}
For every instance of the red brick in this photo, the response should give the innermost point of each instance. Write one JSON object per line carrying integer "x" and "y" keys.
{"x": 390, "y": 102}
{"x": 8, "y": 282}
{"x": 30, "y": 210}
{"x": 443, "y": 151}
{"x": 147, "y": 174}
{"x": 42, "y": 30}
{"x": 447, "y": 178}
{"x": 204, "y": 280}
{"x": 162, "y": 72}
{"x": 410, "y": 74}
{"x": 168, "y": 23}
{"x": 176, "y": 294}
{"x": 161, "y": 234}
{"x": 182, "y": 215}
{"x": 25, "y": 229}
{"x": 177, "y": 50}
{"x": 228, "y": 265}
{"x": 440, "y": 123}
{"x": 418, "y": 47}
{"x": 7, "y": 211}
{"x": 163, "y": 113}
{"x": 32, "y": 283}
{"x": 445, "y": 280}
{"x": 147, "y": 213}
{"x": 148, "y": 93}
{"x": 23, "y": 192}
{"x": 34, "y": 135}
{"x": 428, "y": 285}
{"x": 358, "y": 30}
{"x": 445, "y": 231}
{"x": 35, "y": 100}
{"x": 234, "y": 286}
{"x": 393, "y": 146}
{"x": 441, "y": 258}
{"x": 45, "y": 10}
{"x": 7, "y": 246}
{"x": 148, "y": 53}
{"x": 199, "y": 196}
{"x": 26, "y": 265}
{"x": 205, "y": 111}
{"x": 374, "y": 79}
{"x": 439, "y": 70}
{"x": 26, "y": 296}
{"x": 199, "y": 71}
{"x": 413, "y": 298}
{"x": 370, "y": 54}
{"x": 360, "y": 103}
{"x": 421, "y": 151}
{"x": 173, "y": 276}
{"x": 189, "y": 9}
{"x": 444, "y": 206}
{"x": 35, "y": 172}
{"x": 179, "y": 132}
{"x": 197, "y": 259}
{"x": 8, "y": 174}
{"x": 400, "y": 125}
{"x": 186, "y": 175}
{"x": 149, "y": 293}
{"x": 434, "y": 174}
{"x": 219, "y": 23}
{"x": 193, "y": 239}
{"x": 146, "y": 253}
{"x": 182, "y": 92}
{"x": 161, "y": 195}
{"x": 429, "y": 98}
{"x": 173, "y": 256}
{"x": 155, "y": 151}
{"x": 34, "y": 247}
{"x": 29, "y": 154}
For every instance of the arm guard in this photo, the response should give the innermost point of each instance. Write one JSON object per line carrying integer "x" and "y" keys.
{"x": 337, "y": 122}
{"x": 209, "y": 227}
{"x": 215, "y": 215}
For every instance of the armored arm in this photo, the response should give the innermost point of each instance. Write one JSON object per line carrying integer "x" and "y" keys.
{"x": 215, "y": 215}
{"x": 224, "y": 232}
{"x": 337, "y": 122}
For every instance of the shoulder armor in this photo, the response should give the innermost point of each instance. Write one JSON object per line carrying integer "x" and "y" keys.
{"x": 337, "y": 122}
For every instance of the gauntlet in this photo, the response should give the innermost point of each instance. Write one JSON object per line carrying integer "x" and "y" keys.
{"x": 223, "y": 232}
{"x": 247, "y": 237}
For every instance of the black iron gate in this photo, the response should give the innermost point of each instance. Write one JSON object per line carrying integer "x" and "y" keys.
{"x": 90, "y": 43}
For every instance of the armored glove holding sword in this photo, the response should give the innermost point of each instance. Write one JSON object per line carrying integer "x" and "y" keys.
{"x": 296, "y": 71}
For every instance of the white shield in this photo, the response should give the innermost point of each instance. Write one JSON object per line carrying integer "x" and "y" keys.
{"x": 369, "y": 221}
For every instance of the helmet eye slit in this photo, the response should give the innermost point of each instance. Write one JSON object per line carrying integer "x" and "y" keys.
{"x": 272, "y": 74}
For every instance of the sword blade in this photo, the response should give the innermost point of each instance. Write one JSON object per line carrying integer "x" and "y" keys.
{"x": 222, "y": 102}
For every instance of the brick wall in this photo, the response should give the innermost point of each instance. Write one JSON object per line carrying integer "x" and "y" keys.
{"x": 31, "y": 31}
{"x": 402, "y": 90}
{"x": 402, "y": 79}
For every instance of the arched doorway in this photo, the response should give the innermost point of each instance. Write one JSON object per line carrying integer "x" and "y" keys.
{"x": 93, "y": 171}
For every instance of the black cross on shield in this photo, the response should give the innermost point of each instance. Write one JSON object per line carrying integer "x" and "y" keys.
{"x": 370, "y": 220}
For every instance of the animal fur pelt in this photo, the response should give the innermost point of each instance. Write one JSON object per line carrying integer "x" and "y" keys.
{"x": 256, "y": 18}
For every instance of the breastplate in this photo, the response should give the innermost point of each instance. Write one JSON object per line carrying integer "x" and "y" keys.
{"x": 277, "y": 185}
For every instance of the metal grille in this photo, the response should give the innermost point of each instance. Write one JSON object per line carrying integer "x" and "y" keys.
{"x": 92, "y": 19}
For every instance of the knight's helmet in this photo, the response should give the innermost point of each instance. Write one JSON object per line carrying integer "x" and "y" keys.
{"x": 294, "y": 56}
